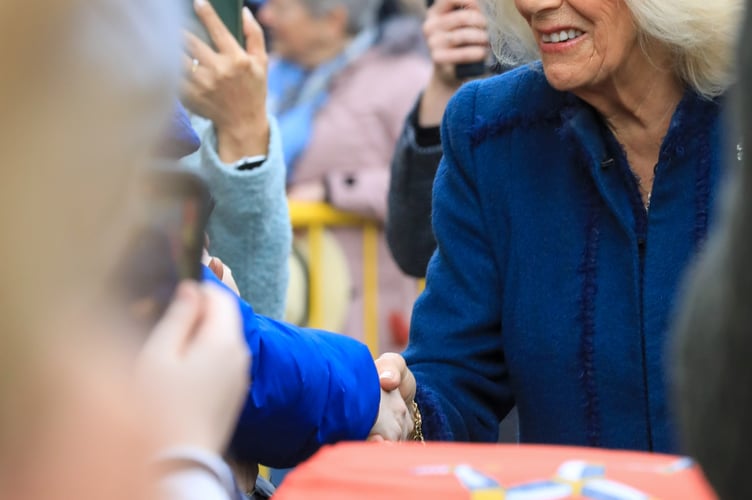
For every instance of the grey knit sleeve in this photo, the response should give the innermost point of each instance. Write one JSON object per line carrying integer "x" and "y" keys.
{"x": 249, "y": 228}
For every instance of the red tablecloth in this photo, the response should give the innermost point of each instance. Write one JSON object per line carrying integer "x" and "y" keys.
{"x": 447, "y": 471}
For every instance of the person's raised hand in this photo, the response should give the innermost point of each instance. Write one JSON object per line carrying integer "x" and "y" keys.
{"x": 194, "y": 368}
{"x": 228, "y": 85}
{"x": 455, "y": 31}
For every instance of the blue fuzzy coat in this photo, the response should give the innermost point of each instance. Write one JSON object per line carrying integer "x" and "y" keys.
{"x": 552, "y": 288}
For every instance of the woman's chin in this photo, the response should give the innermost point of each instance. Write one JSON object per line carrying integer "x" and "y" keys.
{"x": 564, "y": 78}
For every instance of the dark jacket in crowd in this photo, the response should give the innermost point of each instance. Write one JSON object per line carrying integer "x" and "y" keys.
{"x": 414, "y": 165}
{"x": 408, "y": 225}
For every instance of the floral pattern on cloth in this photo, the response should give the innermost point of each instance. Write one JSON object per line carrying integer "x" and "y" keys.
{"x": 573, "y": 479}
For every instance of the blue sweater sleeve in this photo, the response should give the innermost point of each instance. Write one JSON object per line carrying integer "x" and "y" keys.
{"x": 455, "y": 349}
{"x": 309, "y": 388}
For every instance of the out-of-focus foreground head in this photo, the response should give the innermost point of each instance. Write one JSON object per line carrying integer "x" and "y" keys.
{"x": 86, "y": 90}
{"x": 713, "y": 345}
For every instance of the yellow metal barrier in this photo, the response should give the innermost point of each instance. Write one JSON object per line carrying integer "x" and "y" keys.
{"x": 315, "y": 217}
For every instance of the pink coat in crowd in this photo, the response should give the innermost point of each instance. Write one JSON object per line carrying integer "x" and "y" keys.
{"x": 350, "y": 149}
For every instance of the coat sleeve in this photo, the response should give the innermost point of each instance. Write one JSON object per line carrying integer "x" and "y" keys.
{"x": 249, "y": 228}
{"x": 408, "y": 224}
{"x": 308, "y": 388}
{"x": 455, "y": 349}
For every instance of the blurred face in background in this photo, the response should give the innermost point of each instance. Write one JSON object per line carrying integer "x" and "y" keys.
{"x": 300, "y": 36}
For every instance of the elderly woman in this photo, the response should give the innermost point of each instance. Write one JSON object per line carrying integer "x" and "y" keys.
{"x": 571, "y": 197}
{"x": 340, "y": 86}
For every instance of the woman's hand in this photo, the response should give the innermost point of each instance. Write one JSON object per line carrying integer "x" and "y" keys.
{"x": 194, "y": 368}
{"x": 228, "y": 86}
{"x": 394, "y": 374}
{"x": 397, "y": 395}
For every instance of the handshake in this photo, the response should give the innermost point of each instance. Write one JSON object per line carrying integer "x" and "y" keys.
{"x": 307, "y": 387}
{"x": 399, "y": 418}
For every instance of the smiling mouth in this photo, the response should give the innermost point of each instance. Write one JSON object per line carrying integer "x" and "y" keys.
{"x": 561, "y": 36}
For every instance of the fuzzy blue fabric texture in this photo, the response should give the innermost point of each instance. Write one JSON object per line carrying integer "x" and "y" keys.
{"x": 552, "y": 287}
{"x": 308, "y": 388}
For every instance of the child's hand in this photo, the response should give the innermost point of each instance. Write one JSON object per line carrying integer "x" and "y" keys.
{"x": 394, "y": 422}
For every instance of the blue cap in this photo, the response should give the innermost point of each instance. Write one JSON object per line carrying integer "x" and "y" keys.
{"x": 180, "y": 140}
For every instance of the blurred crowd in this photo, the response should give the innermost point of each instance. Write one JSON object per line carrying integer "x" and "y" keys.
{"x": 557, "y": 189}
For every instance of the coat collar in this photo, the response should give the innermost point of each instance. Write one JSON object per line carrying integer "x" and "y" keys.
{"x": 601, "y": 153}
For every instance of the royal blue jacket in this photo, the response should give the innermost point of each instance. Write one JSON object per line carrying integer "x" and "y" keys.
{"x": 308, "y": 388}
{"x": 552, "y": 288}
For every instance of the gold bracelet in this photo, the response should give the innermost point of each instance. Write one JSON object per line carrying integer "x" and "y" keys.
{"x": 417, "y": 434}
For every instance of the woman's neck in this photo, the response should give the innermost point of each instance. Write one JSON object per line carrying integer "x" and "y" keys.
{"x": 637, "y": 103}
{"x": 644, "y": 107}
